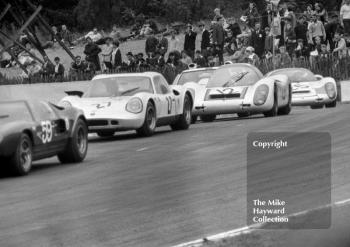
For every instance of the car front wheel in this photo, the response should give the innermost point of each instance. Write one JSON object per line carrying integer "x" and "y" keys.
{"x": 21, "y": 160}
{"x": 149, "y": 126}
{"x": 185, "y": 119}
{"x": 332, "y": 104}
{"x": 77, "y": 146}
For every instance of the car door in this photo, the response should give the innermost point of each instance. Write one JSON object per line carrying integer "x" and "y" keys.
{"x": 164, "y": 97}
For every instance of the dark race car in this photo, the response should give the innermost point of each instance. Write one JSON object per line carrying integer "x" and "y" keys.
{"x": 34, "y": 130}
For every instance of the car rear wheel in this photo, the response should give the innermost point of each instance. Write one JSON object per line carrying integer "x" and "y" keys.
{"x": 21, "y": 160}
{"x": 77, "y": 146}
{"x": 332, "y": 105}
{"x": 149, "y": 126}
{"x": 106, "y": 133}
{"x": 208, "y": 118}
{"x": 184, "y": 121}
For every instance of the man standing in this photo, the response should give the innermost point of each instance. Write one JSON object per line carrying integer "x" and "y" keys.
{"x": 190, "y": 41}
{"x": 151, "y": 44}
{"x": 163, "y": 45}
{"x": 258, "y": 40}
{"x": 219, "y": 39}
{"x": 205, "y": 38}
{"x": 345, "y": 17}
{"x": 301, "y": 29}
{"x": 59, "y": 70}
{"x": 267, "y": 16}
{"x": 316, "y": 29}
{"x": 331, "y": 28}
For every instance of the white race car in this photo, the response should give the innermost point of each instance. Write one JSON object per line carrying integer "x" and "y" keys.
{"x": 137, "y": 101}
{"x": 193, "y": 79}
{"x": 242, "y": 89}
{"x": 311, "y": 90}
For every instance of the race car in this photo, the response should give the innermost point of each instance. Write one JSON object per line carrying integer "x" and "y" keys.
{"x": 309, "y": 89}
{"x": 193, "y": 79}
{"x": 132, "y": 101}
{"x": 241, "y": 89}
{"x": 34, "y": 130}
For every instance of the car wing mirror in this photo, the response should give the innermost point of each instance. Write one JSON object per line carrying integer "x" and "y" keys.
{"x": 319, "y": 77}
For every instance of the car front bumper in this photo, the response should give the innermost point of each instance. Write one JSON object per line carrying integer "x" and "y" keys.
{"x": 313, "y": 100}
{"x": 116, "y": 124}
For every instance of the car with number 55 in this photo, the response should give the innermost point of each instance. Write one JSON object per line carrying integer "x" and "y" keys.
{"x": 132, "y": 101}
{"x": 31, "y": 130}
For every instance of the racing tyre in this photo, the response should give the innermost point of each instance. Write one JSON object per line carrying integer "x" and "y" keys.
{"x": 77, "y": 146}
{"x": 208, "y": 118}
{"x": 243, "y": 114}
{"x": 109, "y": 133}
{"x": 194, "y": 119}
{"x": 274, "y": 111}
{"x": 288, "y": 108}
{"x": 315, "y": 107}
{"x": 149, "y": 126}
{"x": 21, "y": 160}
{"x": 332, "y": 105}
{"x": 185, "y": 119}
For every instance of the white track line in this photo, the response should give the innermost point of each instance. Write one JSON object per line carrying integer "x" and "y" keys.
{"x": 248, "y": 229}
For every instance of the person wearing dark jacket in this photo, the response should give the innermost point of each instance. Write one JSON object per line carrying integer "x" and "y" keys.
{"x": 58, "y": 70}
{"x": 163, "y": 44}
{"x": 258, "y": 40}
{"x": 190, "y": 41}
{"x": 301, "y": 29}
{"x": 219, "y": 39}
{"x": 205, "y": 38}
{"x": 47, "y": 69}
{"x": 117, "y": 61}
{"x": 91, "y": 51}
{"x": 267, "y": 16}
{"x": 200, "y": 60}
{"x": 151, "y": 44}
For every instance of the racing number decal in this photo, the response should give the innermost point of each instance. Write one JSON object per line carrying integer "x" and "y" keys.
{"x": 103, "y": 105}
{"x": 170, "y": 104}
{"x": 47, "y": 129}
{"x": 226, "y": 91}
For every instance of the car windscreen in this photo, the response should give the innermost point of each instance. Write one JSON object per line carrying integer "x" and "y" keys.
{"x": 297, "y": 75}
{"x": 195, "y": 76}
{"x": 14, "y": 111}
{"x": 231, "y": 76}
{"x": 119, "y": 86}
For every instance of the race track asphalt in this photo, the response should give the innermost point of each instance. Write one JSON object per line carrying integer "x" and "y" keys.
{"x": 161, "y": 191}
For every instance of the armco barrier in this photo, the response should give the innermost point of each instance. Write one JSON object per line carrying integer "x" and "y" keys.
{"x": 345, "y": 91}
{"x": 52, "y": 92}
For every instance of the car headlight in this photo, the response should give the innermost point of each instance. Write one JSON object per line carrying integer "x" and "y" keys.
{"x": 65, "y": 104}
{"x": 261, "y": 94}
{"x": 134, "y": 105}
{"x": 330, "y": 90}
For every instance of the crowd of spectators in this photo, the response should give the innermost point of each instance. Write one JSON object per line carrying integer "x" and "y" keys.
{"x": 277, "y": 33}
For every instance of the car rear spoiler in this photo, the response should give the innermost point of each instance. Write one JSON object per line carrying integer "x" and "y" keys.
{"x": 75, "y": 93}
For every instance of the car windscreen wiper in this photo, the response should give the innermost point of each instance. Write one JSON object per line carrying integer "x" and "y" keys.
{"x": 130, "y": 90}
{"x": 237, "y": 78}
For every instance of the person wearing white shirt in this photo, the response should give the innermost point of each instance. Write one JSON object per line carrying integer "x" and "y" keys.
{"x": 94, "y": 35}
{"x": 340, "y": 45}
{"x": 345, "y": 16}
{"x": 174, "y": 43}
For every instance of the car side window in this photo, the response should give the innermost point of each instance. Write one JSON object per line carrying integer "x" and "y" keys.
{"x": 161, "y": 85}
{"x": 43, "y": 111}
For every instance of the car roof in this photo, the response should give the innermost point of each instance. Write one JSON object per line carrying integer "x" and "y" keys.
{"x": 145, "y": 74}
{"x": 286, "y": 69}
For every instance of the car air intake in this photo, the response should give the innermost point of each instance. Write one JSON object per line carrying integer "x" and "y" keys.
{"x": 225, "y": 96}
{"x": 98, "y": 122}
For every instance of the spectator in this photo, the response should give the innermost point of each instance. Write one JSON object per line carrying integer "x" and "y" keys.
{"x": 117, "y": 61}
{"x": 219, "y": 40}
{"x": 258, "y": 40}
{"x": 276, "y": 28}
{"x": 106, "y": 52}
{"x": 58, "y": 70}
{"x": 47, "y": 69}
{"x": 141, "y": 62}
{"x": 163, "y": 44}
{"x": 302, "y": 50}
{"x": 115, "y": 34}
{"x": 320, "y": 12}
{"x": 345, "y": 17}
{"x": 174, "y": 42}
{"x": 240, "y": 54}
{"x": 318, "y": 44}
{"x": 66, "y": 36}
{"x": 94, "y": 35}
{"x": 324, "y": 53}
{"x": 268, "y": 41}
{"x": 234, "y": 27}
{"x": 309, "y": 11}
{"x": 205, "y": 43}
{"x": 340, "y": 45}
{"x": 290, "y": 38}
{"x": 151, "y": 44}
{"x": 267, "y": 16}
{"x": 190, "y": 41}
{"x": 91, "y": 51}
{"x": 218, "y": 15}
{"x": 186, "y": 59}
{"x": 229, "y": 46}
{"x": 283, "y": 59}
{"x": 200, "y": 60}
{"x": 77, "y": 69}
{"x": 252, "y": 15}
{"x": 131, "y": 62}
{"x": 159, "y": 59}
{"x": 331, "y": 28}
{"x": 301, "y": 29}
{"x": 291, "y": 16}
{"x": 316, "y": 29}
{"x": 251, "y": 57}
